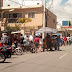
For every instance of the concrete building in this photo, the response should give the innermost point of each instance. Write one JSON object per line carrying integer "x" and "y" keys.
{"x": 35, "y": 12}
{"x": 1, "y": 3}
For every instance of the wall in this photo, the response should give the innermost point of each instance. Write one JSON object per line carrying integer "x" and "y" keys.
{"x": 37, "y": 21}
{"x": 50, "y": 17}
{"x": 1, "y": 3}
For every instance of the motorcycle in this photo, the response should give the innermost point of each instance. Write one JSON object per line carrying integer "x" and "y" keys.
{"x": 2, "y": 55}
{"x": 18, "y": 50}
{"x": 29, "y": 47}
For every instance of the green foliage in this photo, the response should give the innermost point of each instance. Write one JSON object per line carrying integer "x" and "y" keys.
{"x": 24, "y": 20}
{"x": 10, "y": 28}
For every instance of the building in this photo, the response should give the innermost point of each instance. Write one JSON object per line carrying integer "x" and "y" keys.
{"x": 35, "y": 12}
{"x": 67, "y": 25}
{"x": 1, "y": 3}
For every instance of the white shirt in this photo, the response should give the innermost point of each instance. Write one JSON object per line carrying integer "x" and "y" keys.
{"x": 67, "y": 38}
{"x": 40, "y": 41}
{"x": 31, "y": 38}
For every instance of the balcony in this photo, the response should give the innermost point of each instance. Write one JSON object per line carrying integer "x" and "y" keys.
{"x": 12, "y": 20}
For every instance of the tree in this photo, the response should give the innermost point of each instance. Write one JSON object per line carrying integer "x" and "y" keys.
{"x": 10, "y": 28}
{"x": 24, "y": 21}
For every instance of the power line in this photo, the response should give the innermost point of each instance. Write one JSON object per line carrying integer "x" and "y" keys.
{"x": 61, "y": 5}
{"x": 15, "y": 2}
{"x": 63, "y": 12}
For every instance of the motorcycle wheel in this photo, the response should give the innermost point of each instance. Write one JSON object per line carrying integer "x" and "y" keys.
{"x": 32, "y": 50}
{"x": 18, "y": 51}
{"x": 2, "y": 58}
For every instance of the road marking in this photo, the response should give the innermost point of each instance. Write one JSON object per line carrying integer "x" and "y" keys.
{"x": 63, "y": 55}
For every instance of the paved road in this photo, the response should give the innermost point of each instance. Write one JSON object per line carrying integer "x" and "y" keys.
{"x": 51, "y": 61}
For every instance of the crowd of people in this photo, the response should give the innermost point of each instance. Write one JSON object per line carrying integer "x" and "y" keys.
{"x": 66, "y": 40}
{"x": 38, "y": 41}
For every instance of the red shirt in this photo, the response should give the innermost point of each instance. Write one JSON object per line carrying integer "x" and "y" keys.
{"x": 0, "y": 44}
{"x": 36, "y": 39}
{"x": 65, "y": 39}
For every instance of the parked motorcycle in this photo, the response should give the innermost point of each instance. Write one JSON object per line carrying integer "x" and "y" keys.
{"x": 18, "y": 50}
{"x": 2, "y": 55}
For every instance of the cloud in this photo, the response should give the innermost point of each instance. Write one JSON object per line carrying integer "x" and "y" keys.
{"x": 63, "y": 12}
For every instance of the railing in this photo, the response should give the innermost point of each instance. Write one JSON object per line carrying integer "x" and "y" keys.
{"x": 12, "y": 20}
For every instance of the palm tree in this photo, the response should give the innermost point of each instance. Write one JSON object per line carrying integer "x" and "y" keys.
{"x": 24, "y": 21}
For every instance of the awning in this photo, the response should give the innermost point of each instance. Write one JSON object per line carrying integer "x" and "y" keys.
{"x": 46, "y": 30}
{"x": 15, "y": 32}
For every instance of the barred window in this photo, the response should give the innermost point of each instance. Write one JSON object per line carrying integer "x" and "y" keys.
{"x": 31, "y": 15}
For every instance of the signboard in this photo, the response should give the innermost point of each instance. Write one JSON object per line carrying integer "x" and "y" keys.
{"x": 65, "y": 23}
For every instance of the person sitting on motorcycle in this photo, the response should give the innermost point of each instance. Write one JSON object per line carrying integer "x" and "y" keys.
{"x": 21, "y": 39}
{"x": 1, "y": 44}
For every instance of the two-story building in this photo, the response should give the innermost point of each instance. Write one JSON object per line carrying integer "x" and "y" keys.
{"x": 35, "y": 12}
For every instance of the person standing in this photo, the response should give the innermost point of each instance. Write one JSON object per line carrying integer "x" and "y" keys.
{"x": 58, "y": 41}
{"x": 31, "y": 38}
{"x": 27, "y": 39}
{"x": 21, "y": 39}
{"x": 36, "y": 42}
{"x": 65, "y": 40}
{"x": 61, "y": 38}
{"x": 48, "y": 42}
{"x": 69, "y": 40}
{"x": 40, "y": 43}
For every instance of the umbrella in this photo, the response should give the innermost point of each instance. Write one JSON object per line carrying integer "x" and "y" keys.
{"x": 45, "y": 30}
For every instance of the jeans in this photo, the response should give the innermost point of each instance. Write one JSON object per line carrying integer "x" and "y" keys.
{"x": 58, "y": 44}
{"x": 61, "y": 42}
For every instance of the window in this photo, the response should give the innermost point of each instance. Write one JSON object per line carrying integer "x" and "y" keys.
{"x": 31, "y": 15}
{"x": 53, "y": 21}
{"x": 14, "y": 15}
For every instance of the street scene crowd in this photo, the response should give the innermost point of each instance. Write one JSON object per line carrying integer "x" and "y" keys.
{"x": 21, "y": 44}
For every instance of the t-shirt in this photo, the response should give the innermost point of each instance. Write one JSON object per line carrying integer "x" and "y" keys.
{"x": 0, "y": 44}
{"x": 31, "y": 38}
{"x": 58, "y": 39}
{"x": 36, "y": 39}
{"x": 40, "y": 41}
{"x": 65, "y": 39}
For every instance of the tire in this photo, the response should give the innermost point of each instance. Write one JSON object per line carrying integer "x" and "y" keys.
{"x": 43, "y": 49}
{"x": 9, "y": 55}
{"x": 32, "y": 50}
{"x": 2, "y": 58}
{"x": 18, "y": 51}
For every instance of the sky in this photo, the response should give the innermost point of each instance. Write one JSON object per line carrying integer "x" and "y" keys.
{"x": 61, "y": 8}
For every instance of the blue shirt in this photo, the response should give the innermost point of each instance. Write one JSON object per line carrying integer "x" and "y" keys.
{"x": 58, "y": 39}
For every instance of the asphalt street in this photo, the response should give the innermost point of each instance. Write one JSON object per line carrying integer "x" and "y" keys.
{"x": 51, "y": 61}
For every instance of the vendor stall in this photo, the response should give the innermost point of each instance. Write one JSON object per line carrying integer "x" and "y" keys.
{"x": 50, "y": 31}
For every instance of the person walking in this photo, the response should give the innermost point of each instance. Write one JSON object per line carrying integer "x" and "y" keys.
{"x": 36, "y": 42}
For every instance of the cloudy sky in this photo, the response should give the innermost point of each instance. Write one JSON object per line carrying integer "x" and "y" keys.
{"x": 62, "y": 8}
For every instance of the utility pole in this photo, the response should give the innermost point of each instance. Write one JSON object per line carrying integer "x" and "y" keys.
{"x": 44, "y": 17}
